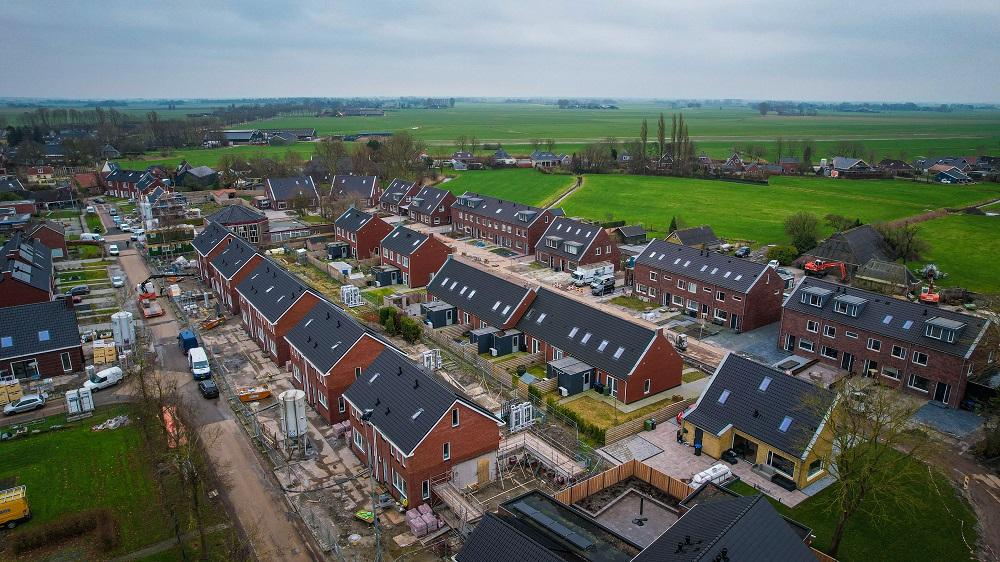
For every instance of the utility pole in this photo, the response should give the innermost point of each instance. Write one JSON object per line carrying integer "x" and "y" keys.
{"x": 366, "y": 417}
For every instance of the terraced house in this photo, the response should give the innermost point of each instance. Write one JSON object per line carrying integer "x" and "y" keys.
{"x": 229, "y": 268}
{"x": 245, "y": 222}
{"x": 416, "y": 255}
{"x": 360, "y": 188}
{"x": 396, "y": 196}
{"x": 291, "y": 193}
{"x": 432, "y": 206}
{"x": 507, "y": 224}
{"x": 210, "y": 242}
{"x": 26, "y": 271}
{"x": 569, "y": 243}
{"x": 128, "y": 184}
{"x": 731, "y": 292}
{"x": 927, "y": 351}
{"x": 465, "y": 294}
{"x": 362, "y": 231}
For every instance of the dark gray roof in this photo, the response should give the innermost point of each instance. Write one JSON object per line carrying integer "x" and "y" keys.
{"x": 394, "y": 192}
{"x": 324, "y": 335}
{"x": 844, "y": 163}
{"x": 696, "y": 236}
{"x": 11, "y": 184}
{"x": 405, "y": 400}
{"x": 236, "y": 214}
{"x": 362, "y": 186}
{"x": 286, "y": 189}
{"x": 496, "y": 540}
{"x": 209, "y": 237}
{"x": 498, "y": 209}
{"x": 737, "y": 382}
{"x": 565, "y": 232}
{"x": 234, "y": 257}
{"x": 127, "y": 176}
{"x": 889, "y": 317}
{"x": 706, "y": 266}
{"x": 632, "y": 230}
{"x": 271, "y": 289}
{"x": 55, "y": 226}
{"x": 493, "y": 299}
{"x": 855, "y": 246}
{"x": 28, "y": 261}
{"x": 200, "y": 171}
{"x": 748, "y": 529}
{"x": 403, "y": 241}
{"x": 53, "y": 327}
{"x": 428, "y": 199}
{"x": 352, "y": 220}
{"x": 587, "y": 333}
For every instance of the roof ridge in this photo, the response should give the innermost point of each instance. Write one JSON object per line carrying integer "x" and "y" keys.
{"x": 732, "y": 523}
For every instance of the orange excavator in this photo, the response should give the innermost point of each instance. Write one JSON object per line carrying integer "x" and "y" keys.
{"x": 929, "y": 294}
{"x": 819, "y": 268}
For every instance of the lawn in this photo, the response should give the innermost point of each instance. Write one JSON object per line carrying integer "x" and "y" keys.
{"x": 94, "y": 224}
{"x": 63, "y": 214}
{"x": 530, "y": 187}
{"x": 84, "y": 251}
{"x": 375, "y": 296}
{"x": 604, "y": 415}
{"x": 83, "y": 275}
{"x": 965, "y": 247}
{"x": 314, "y": 219}
{"x": 756, "y": 212}
{"x": 933, "y": 530}
{"x": 78, "y": 469}
{"x": 634, "y": 303}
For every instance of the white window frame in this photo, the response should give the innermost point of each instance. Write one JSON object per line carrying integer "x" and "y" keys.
{"x": 902, "y": 352}
{"x": 446, "y": 451}
{"x": 891, "y": 372}
{"x": 874, "y": 345}
{"x": 829, "y": 331}
{"x": 823, "y": 352}
{"x": 647, "y": 386}
{"x": 455, "y": 417}
{"x": 652, "y": 276}
{"x": 814, "y": 326}
{"x": 910, "y": 379}
{"x": 917, "y": 355}
{"x": 811, "y": 346}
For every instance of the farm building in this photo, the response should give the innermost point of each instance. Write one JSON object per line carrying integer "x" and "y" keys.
{"x": 432, "y": 206}
{"x": 415, "y": 254}
{"x": 362, "y": 231}
{"x": 47, "y": 347}
{"x": 701, "y": 237}
{"x": 507, "y": 224}
{"x": 544, "y": 159}
{"x": 854, "y": 248}
{"x": 630, "y": 235}
{"x": 198, "y": 177}
{"x": 842, "y": 166}
{"x": 569, "y": 243}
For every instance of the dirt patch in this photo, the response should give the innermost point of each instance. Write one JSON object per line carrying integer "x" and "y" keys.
{"x": 596, "y": 502}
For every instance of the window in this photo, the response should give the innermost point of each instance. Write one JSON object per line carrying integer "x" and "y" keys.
{"x": 295, "y": 373}
{"x": 920, "y": 358}
{"x": 446, "y": 451}
{"x": 891, "y": 372}
{"x": 398, "y": 482}
{"x": 939, "y": 333}
{"x": 811, "y": 299}
{"x": 898, "y": 352}
{"x": 322, "y": 399}
{"x": 678, "y": 300}
{"x": 652, "y": 291}
{"x": 454, "y": 417}
{"x": 720, "y": 314}
{"x": 806, "y": 345}
{"x": 852, "y": 335}
{"x": 829, "y": 331}
{"x": 598, "y": 251}
{"x": 67, "y": 364}
{"x": 917, "y": 382}
{"x": 652, "y": 276}
{"x": 640, "y": 288}
{"x": 829, "y": 352}
{"x": 738, "y": 299}
{"x": 357, "y": 372}
{"x": 646, "y": 386}
{"x": 692, "y": 288}
{"x": 720, "y": 296}
{"x": 781, "y": 464}
{"x": 815, "y": 467}
{"x": 425, "y": 490}
{"x": 681, "y": 284}
{"x": 812, "y": 326}
{"x": 874, "y": 344}
{"x": 359, "y": 441}
{"x": 341, "y": 405}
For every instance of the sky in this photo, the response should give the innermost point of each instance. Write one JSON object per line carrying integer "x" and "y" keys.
{"x": 880, "y": 50}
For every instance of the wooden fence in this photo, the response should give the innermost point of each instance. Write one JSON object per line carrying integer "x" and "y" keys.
{"x": 543, "y": 386}
{"x": 631, "y": 427}
{"x": 633, "y": 468}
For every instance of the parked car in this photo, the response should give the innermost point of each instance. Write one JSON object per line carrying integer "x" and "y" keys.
{"x": 98, "y": 200}
{"x": 79, "y": 290}
{"x": 125, "y": 227}
{"x": 91, "y": 237}
{"x": 742, "y": 252}
{"x": 113, "y": 250}
{"x": 208, "y": 388}
{"x": 104, "y": 379}
{"x": 112, "y": 211}
{"x": 91, "y": 210}
{"x": 117, "y": 281}
{"x": 198, "y": 361}
{"x": 27, "y": 403}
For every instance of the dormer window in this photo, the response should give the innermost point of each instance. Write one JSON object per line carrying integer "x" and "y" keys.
{"x": 942, "y": 329}
{"x": 815, "y": 296}
{"x": 849, "y": 305}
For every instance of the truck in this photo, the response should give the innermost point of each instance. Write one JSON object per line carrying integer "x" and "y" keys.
{"x": 585, "y": 274}
{"x": 14, "y": 506}
{"x": 604, "y": 285}
{"x": 150, "y": 308}
{"x": 187, "y": 340}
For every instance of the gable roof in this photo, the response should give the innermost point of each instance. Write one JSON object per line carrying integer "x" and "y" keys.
{"x": 610, "y": 343}
{"x": 353, "y": 219}
{"x": 496, "y": 540}
{"x": 733, "y": 398}
{"x": 363, "y": 186}
{"x": 28, "y": 261}
{"x": 695, "y": 236}
{"x": 286, "y": 189}
{"x": 200, "y": 171}
{"x": 209, "y": 237}
{"x": 126, "y": 176}
{"x": 55, "y": 328}
{"x": 404, "y": 241}
{"x": 234, "y": 257}
{"x": 54, "y": 226}
{"x": 236, "y": 214}
{"x": 428, "y": 199}
{"x": 631, "y": 230}
{"x": 746, "y": 529}
{"x": 569, "y": 232}
{"x": 11, "y": 184}
{"x": 393, "y": 194}
{"x": 720, "y": 270}
{"x": 493, "y": 299}
{"x": 406, "y": 401}
{"x": 845, "y": 163}
{"x": 893, "y": 318}
{"x": 271, "y": 289}
{"x": 855, "y": 246}
{"x": 324, "y": 335}
{"x": 498, "y": 209}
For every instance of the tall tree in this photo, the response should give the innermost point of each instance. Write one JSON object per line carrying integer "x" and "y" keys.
{"x": 904, "y": 240}
{"x": 661, "y": 134}
{"x": 329, "y": 152}
{"x": 803, "y": 229}
{"x": 461, "y": 142}
{"x": 779, "y": 148}
{"x": 473, "y": 145}
{"x": 763, "y": 107}
{"x": 644, "y": 137}
{"x": 550, "y": 145}
{"x": 673, "y": 135}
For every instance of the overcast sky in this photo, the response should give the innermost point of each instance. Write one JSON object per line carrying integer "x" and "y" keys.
{"x": 901, "y": 50}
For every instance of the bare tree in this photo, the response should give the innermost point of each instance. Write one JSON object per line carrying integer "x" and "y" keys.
{"x": 473, "y": 145}
{"x": 550, "y": 144}
{"x": 904, "y": 240}
{"x": 461, "y": 142}
{"x": 661, "y": 134}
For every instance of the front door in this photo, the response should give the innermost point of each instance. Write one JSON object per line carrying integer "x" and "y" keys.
{"x": 847, "y": 362}
{"x": 789, "y": 342}
{"x": 942, "y": 392}
{"x": 871, "y": 368}
{"x": 483, "y": 471}
{"x": 734, "y": 321}
{"x": 613, "y": 383}
{"x": 704, "y": 309}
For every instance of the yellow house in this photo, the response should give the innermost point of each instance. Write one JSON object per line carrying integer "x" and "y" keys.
{"x": 41, "y": 175}
{"x": 766, "y": 417}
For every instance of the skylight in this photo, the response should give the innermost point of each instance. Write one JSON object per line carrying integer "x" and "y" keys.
{"x": 573, "y": 331}
{"x": 585, "y": 338}
{"x": 444, "y": 282}
{"x": 604, "y": 343}
{"x": 310, "y": 321}
{"x": 496, "y": 305}
{"x": 784, "y": 424}
{"x": 619, "y": 351}
{"x": 908, "y": 324}
{"x": 703, "y": 268}
{"x": 540, "y": 318}
{"x": 43, "y": 335}
{"x": 269, "y": 289}
{"x": 724, "y": 396}
{"x": 677, "y": 261}
{"x": 371, "y": 380}
{"x": 764, "y": 384}
{"x": 714, "y": 269}
{"x": 417, "y": 413}
{"x": 687, "y": 263}
{"x": 506, "y": 309}
{"x": 453, "y": 285}
{"x": 464, "y": 288}
{"x": 472, "y": 292}
{"x": 887, "y": 319}
{"x": 728, "y": 273}
{"x": 738, "y": 277}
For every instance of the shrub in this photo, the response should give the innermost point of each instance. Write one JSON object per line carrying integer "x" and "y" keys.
{"x": 588, "y": 429}
{"x": 68, "y": 527}
{"x": 385, "y": 312}
{"x": 410, "y": 329}
{"x": 533, "y": 390}
{"x": 784, "y": 254}
{"x": 390, "y": 326}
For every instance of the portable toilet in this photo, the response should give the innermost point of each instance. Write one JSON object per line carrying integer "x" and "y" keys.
{"x": 482, "y": 338}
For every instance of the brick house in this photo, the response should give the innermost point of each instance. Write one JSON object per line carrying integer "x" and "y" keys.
{"x": 415, "y": 254}
{"x": 927, "y": 351}
{"x": 40, "y": 176}
{"x": 362, "y": 231}
{"x": 53, "y": 235}
{"x": 568, "y": 243}
{"x": 396, "y": 197}
{"x": 739, "y": 294}
{"x": 480, "y": 299}
{"x": 360, "y": 188}
{"x": 245, "y": 222}
{"x": 432, "y": 206}
{"x": 229, "y": 268}
{"x": 286, "y": 193}
{"x": 128, "y": 184}
{"x": 414, "y": 430}
{"x": 47, "y": 346}
{"x": 633, "y": 361}
{"x": 505, "y": 223}
{"x": 272, "y": 301}
{"x": 329, "y": 350}
{"x": 26, "y": 270}
{"x": 210, "y": 242}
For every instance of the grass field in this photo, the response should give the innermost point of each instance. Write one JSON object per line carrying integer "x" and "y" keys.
{"x": 524, "y": 186}
{"x": 965, "y": 247}
{"x": 756, "y": 212}
{"x": 603, "y": 415}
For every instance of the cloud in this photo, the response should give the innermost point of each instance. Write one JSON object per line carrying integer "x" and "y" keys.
{"x": 824, "y": 50}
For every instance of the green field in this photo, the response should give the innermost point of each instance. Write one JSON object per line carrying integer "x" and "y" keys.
{"x": 756, "y": 212}
{"x": 965, "y": 247}
{"x": 530, "y": 187}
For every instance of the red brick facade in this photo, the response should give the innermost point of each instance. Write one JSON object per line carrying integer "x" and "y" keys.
{"x": 205, "y": 268}
{"x": 366, "y": 240}
{"x": 15, "y": 292}
{"x": 49, "y": 364}
{"x": 329, "y": 387}
{"x": 226, "y": 288}
{"x": 440, "y": 215}
{"x": 419, "y": 266}
{"x": 514, "y": 235}
{"x": 53, "y": 240}
{"x": 270, "y": 337}
{"x": 602, "y": 248}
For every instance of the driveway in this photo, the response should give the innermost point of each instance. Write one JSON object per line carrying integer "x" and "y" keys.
{"x": 761, "y": 344}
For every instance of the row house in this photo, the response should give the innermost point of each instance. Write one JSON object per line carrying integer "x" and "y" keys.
{"x": 568, "y": 243}
{"x": 432, "y": 206}
{"x": 629, "y": 360}
{"x": 53, "y": 235}
{"x": 210, "y": 242}
{"x": 362, "y": 231}
{"x": 732, "y": 292}
{"x": 48, "y": 345}
{"x": 414, "y": 431}
{"x": 507, "y": 224}
{"x": 396, "y": 197}
{"x": 40, "y": 175}
{"x": 291, "y": 193}
{"x": 476, "y": 298}
{"x": 272, "y": 301}
{"x": 26, "y": 271}
{"x": 359, "y": 188}
{"x": 128, "y": 184}
{"x": 416, "y": 255}
{"x": 329, "y": 350}
{"x": 927, "y": 351}
{"x": 229, "y": 268}
{"x": 245, "y": 222}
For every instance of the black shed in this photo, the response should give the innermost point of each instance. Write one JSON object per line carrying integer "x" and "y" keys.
{"x": 574, "y": 375}
{"x": 438, "y": 313}
{"x": 482, "y": 338}
{"x": 386, "y": 275}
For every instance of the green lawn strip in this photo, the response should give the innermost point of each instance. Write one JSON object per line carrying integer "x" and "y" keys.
{"x": 633, "y": 303}
{"x": 85, "y": 274}
{"x": 604, "y": 415}
{"x": 62, "y": 214}
{"x": 529, "y": 187}
{"x": 314, "y": 219}
{"x": 693, "y": 376}
{"x": 375, "y": 296}
{"x": 992, "y": 207}
{"x": 965, "y": 247}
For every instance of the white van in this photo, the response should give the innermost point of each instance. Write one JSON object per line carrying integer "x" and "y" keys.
{"x": 103, "y": 379}
{"x": 198, "y": 361}
{"x": 91, "y": 237}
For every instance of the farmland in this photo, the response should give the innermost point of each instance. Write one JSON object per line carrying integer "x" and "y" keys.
{"x": 524, "y": 186}
{"x": 965, "y": 247}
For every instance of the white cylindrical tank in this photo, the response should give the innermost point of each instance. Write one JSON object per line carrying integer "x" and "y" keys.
{"x": 123, "y": 329}
{"x": 293, "y": 413}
